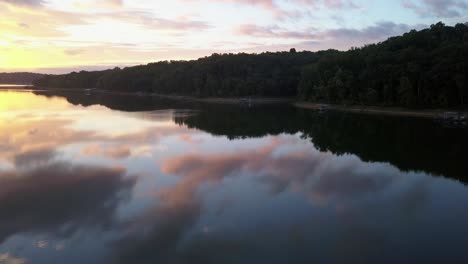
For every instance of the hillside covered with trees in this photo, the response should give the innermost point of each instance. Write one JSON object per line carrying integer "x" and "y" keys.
{"x": 19, "y": 77}
{"x": 266, "y": 74}
{"x": 427, "y": 68}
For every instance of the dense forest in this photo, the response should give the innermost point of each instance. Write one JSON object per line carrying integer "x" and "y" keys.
{"x": 426, "y": 68}
{"x": 19, "y": 77}
{"x": 266, "y": 74}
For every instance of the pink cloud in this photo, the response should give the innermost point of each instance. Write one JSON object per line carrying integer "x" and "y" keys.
{"x": 339, "y": 38}
{"x": 441, "y": 8}
{"x": 317, "y": 175}
{"x": 272, "y": 32}
{"x": 23, "y": 2}
{"x": 189, "y": 139}
{"x": 300, "y": 6}
{"x": 112, "y": 152}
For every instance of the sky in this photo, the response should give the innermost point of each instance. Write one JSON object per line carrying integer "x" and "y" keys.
{"x": 57, "y": 36}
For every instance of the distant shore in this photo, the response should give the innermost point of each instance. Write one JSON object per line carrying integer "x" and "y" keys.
{"x": 212, "y": 100}
{"x": 228, "y": 100}
{"x": 393, "y": 111}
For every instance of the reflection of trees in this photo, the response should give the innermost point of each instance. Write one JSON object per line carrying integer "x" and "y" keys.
{"x": 408, "y": 143}
{"x": 236, "y": 122}
{"x": 122, "y": 102}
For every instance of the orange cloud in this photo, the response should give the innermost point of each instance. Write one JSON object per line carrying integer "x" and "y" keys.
{"x": 113, "y": 152}
{"x": 320, "y": 176}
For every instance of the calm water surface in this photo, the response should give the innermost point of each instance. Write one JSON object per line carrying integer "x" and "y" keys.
{"x": 119, "y": 179}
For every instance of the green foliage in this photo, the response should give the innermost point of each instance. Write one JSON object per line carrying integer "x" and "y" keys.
{"x": 76, "y": 80}
{"x": 426, "y": 68}
{"x": 265, "y": 74}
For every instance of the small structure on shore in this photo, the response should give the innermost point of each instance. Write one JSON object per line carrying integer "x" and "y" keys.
{"x": 88, "y": 91}
{"x": 246, "y": 101}
{"x": 454, "y": 119}
{"x": 322, "y": 108}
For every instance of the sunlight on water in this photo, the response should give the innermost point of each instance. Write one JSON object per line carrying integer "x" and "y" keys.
{"x": 82, "y": 183}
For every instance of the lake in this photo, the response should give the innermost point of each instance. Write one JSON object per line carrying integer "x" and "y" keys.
{"x": 14, "y": 85}
{"x": 105, "y": 178}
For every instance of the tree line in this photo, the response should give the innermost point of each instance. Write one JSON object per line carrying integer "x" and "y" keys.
{"x": 266, "y": 74}
{"x": 19, "y": 77}
{"x": 426, "y": 68}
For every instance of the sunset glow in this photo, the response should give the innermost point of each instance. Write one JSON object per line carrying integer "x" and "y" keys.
{"x": 60, "y": 36}
{"x": 17, "y": 101}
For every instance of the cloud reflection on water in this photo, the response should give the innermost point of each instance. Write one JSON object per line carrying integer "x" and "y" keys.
{"x": 172, "y": 194}
{"x": 60, "y": 198}
{"x": 354, "y": 211}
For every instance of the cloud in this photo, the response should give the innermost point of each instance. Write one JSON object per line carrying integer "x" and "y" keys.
{"x": 115, "y": 2}
{"x": 331, "y": 4}
{"x": 303, "y": 194}
{"x": 34, "y": 157}
{"x": 293, "y": 169}
{"x": 267, "y": 4}
{"x": 112, "y": 152}
{"x": 161, "y": 228}
{"x": 339, "y": 38}
{"x": 37, "y": 23}
{"x": 341, "y": 4}
{"x": 272, "y": 32}
{"x": 440, "y": 8}
{"x": 29, "y": 142}
{"x": 23, "y": 25}
{"x": 51, "y": 197}
{"x": 376, "y": 32}
{"x": 7, "y": 258}
{"x": 46, "y": 25}
{"x": 148, "y": 20}
{"x": 189, "y": 139}
{"x": 93, "y": 6}
{"x": 73, "y": 52}
{"x": 344, "y": 197}
{"x": 32, "y": 3}
{"x": 164, "y": 226}
{"x": 298, "y": 9}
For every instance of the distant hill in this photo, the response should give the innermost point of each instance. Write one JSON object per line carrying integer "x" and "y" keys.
{"x": 19, "y": 77}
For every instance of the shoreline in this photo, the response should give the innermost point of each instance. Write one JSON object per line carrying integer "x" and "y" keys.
{"x": 228, "y": 100}
{"x": 211, "y": 100}
{"x": 375, "y": 110}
